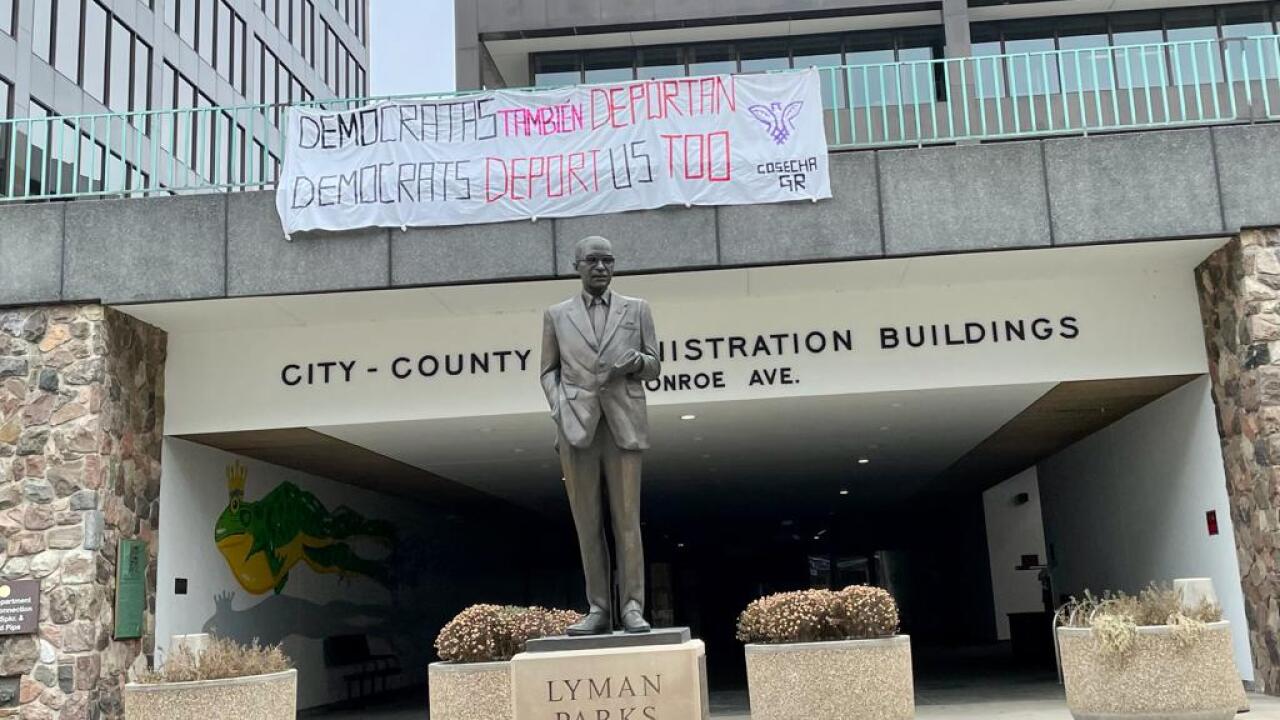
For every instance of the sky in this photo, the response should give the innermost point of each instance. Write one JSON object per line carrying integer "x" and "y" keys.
{"x": 411, "y": 44}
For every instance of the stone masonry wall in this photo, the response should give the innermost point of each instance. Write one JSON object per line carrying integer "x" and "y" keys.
{"x": 81, "y": 410}
{"x": 1240, "y": 303}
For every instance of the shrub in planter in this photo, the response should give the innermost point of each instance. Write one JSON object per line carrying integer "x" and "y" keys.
{"x": 473, "y": 679}
{"x": 224, "y": 681}
{"x": 1146, "y": 657}
{"x": 827, "y": 655}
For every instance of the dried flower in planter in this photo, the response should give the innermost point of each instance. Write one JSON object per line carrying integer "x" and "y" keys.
{"x": 858, "y": 612}
{"x": 221, "y": 658}
{"x": 1115, "y": 618}
{"x": 490, "y": 633}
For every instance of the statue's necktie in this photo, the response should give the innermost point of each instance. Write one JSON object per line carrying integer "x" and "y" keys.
{"x": 598, "y": 313}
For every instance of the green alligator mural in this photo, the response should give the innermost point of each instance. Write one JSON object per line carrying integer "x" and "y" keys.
{"x": 263, "y": 540}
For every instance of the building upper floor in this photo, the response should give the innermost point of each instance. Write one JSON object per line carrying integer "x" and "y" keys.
{"x": 75, "y": 57}
{"x": 501, "y": 43}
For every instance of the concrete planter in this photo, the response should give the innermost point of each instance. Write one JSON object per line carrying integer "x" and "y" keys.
{"x": 843, "y": 680}
{"x": 470, "y": 691}
{"x": 1159, "y": 681}
{"x": 257, "y": 697}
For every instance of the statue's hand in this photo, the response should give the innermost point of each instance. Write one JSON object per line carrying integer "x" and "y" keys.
{"x": 630, "y": 363}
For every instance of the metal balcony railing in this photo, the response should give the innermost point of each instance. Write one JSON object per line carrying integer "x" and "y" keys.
{"x": 1059, "y": 92}
{"x": 988, "y": 98}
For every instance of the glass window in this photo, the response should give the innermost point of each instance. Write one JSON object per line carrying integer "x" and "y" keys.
{"x": 988, "y": 69}
{"x": 7, "y": 12}
{"x": 1247, "y": 59}
{"x": 95, "y": 50}
{"x": 308, "y": 20}
{"x": 38, "y": 130}
{"x": 555, "y": 69}
{"x": 823, "y": 52}
{"x": 713, "y": 59}
{"x": 1196, "y": 60}
{"x": 1137, "y": 28}
{"x": 920, "y": 77}
{"x": 1139, "y": 63}
{"x": 607, "y": 66}
{"x": 66, "y": 51}
{"x": 187, "y": 22}
{"x": 269, "y": 8}
{"x": 871, "y": 81}
{"x": 224, "y": 39}
{"x": 206, "y": 31}
{"x": 121, "y": 45}
{"x": 171, "y": 14}
{"x": 659, "y": 62}
{"x": 92, "y": 159}
{"x": 1245, "y": 21}
{"x": 141, "y": 101}
{"x": 168, "y": 81}
{"x": 239, "y": 55}
{"x": 1031, "y": 69}
{"x": 330, "y": 47}
{"x": 42, "y": 31}
{"x": 1086, "y": 64}
{"x": 6, "y": 110}
{"x": 764, "y": 56}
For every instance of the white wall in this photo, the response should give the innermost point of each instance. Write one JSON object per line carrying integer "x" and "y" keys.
{"x": 1127, "y": 506}
{"x": 193, "y": 493}
{"x": 1013, "y": 531}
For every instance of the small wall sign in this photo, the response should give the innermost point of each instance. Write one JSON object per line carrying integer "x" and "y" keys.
{"x": 19, "y": 607}
{"x": 131, "y": 588}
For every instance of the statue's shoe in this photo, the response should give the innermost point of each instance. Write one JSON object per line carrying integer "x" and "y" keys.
{"x": 633, "y": 622}
{"x": 595, "y": 623}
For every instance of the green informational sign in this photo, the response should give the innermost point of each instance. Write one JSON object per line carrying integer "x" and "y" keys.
{"x": 131, "y": 588}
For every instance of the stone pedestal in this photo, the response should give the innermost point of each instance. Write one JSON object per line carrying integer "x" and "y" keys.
{"x": 653, "y": 676}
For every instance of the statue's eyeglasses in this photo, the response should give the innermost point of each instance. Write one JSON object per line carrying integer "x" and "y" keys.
{"x": 607, "y": 260}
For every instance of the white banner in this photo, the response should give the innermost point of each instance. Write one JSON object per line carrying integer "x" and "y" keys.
{"x": 583, "y": 150}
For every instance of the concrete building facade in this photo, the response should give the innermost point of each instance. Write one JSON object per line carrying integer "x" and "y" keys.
{"x": 151, "y": 345}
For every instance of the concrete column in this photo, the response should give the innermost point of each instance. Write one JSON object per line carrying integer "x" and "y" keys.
{"x": 955, "y": 26}
{"x": 80, "y": 435}
{"x": 466, "y": 44}
{"x": 1239, "y": 288}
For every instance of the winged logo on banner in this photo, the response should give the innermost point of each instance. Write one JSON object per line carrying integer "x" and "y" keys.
{"x": 779, "y": 121}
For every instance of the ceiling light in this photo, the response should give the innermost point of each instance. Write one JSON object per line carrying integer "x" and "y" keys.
{"x": 688, "y": 417}
{"x": 863, "y": 461}
{"x": 679, "y": 545}
{"x": 844, "y": 492}
{"x": 884, "y": 427}
{"x": 817, "y": 537}
{"x": 517, "y": 450}
{"x": 895, "y": 404}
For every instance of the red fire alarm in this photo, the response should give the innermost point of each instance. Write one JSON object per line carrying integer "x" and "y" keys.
{"x": 1211, "y": 518}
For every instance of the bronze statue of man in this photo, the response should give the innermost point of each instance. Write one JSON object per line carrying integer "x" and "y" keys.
{"x": 598, "y": 348}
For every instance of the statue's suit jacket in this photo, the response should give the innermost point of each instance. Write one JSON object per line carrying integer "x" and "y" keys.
{"x": 576, "y": 368}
